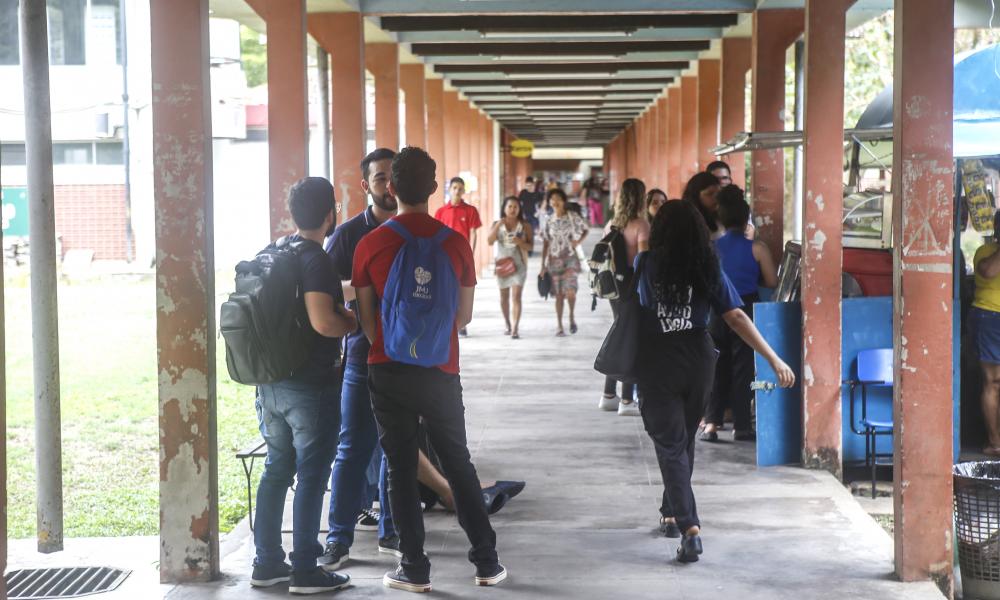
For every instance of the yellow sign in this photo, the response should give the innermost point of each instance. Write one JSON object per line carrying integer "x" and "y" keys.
{"x": 521, "y": 148}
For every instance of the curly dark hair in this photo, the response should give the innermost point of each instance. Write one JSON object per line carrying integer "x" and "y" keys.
{"x": 413, "y": 175}
{"x": 692, "y": 194}
{"x": 682, "y": 254}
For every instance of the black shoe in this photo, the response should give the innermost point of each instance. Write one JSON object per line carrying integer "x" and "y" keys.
{"x": 709, "y": 436}
{"x": 316, "y": 581}
{"x": 490, "y": 574}
{"x": 463, "y": 332}
{"x": 494, "y": 498}
{"x": 512, "y": 488}
{"x": 399, "y": 580}
{"x": 334, "y": 556}
{"x": 670, "y": 529}
{"x": 390, "y": 545}
{"x": 689, "y": 549}
{"x": 368, "y": 520}
{"x": 268, "y": 575}
{"x": 745, "y": 436}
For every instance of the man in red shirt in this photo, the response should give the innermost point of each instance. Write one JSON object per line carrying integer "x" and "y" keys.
{"x": 402, "y": 393}
{"x": 462, "y": 217}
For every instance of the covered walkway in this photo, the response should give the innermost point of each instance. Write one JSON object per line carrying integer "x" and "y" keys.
{"x": 585, "y": 526}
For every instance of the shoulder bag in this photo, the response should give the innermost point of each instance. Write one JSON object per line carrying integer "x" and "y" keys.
{"x": 618, "y": 357}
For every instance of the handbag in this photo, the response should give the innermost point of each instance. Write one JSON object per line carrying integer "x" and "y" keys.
{"x": 544, "y": 284}
{"x": 505, "y": 267}
{"x": 618, "y": 357}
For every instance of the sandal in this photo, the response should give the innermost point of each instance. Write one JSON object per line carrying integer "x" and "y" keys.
{"x": 515, "y": 336}
{"x": 560, "y": 333}
{"x": 506, "y": 331}
{"x": 709, "y": 436}
{"x": 572, "y": 328}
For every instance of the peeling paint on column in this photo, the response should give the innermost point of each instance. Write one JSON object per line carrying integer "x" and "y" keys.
{"x": 185, "y": 303}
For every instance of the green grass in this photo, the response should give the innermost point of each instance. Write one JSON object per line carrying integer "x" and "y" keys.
{"x": 107, "y": 347}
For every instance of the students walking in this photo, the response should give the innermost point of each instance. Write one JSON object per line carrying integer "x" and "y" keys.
{"x": 747, "y": 264}
{"x": 680, "y": 282}
{"x": 300, "y": 416}
{"x": 563, "y": 232}
{"x": 513, "y": 238}
{"x": 358, "y": 446}
{"x": 630, "y": 220}
{"x": 402, "y": 389}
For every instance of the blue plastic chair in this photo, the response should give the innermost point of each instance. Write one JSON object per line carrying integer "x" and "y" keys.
{"x": 874, "y": 370}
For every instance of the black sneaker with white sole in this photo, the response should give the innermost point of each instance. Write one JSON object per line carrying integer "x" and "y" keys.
{"x": 368, "y": 520}
{"x": 268, "y": 575}
{"x": 390, "y": 545}
{"x": 316, "y": 581}
{"x": 400, "y": 580}
{"x": 334, "y": 556}
{"x": 490, "y": 574}
{"x": 690, "y": 548}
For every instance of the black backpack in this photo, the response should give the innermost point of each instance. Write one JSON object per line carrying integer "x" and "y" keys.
{"x": 609, "y": 268}
{"x": 264, "y": 322}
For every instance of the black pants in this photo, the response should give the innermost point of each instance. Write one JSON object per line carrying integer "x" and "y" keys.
{"x": 734, "y": 373}
{"x": 400, "y": 395}
{"x": 610, "y": 383}
{"x": 675, "y": 382}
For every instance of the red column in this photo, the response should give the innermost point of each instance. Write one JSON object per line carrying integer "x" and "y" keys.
{"x": 486, "y": 211}
{"x": 735, "y": 64}
{"x": 342, "y": 35}
{"x": 185, "y": 291}
{"x": 773, "y": 31}
{"x": 663, "y": 143}
{"x": 823, "y": 136}
{"x": 510, "y": 187}
{"x": 382, "y": 61}
{"x": 708, "y": 109}
{"x": 631, "y": 154}
{"x": 435, "y": 134}
{"x": 452, "y": 108}
{"x": 411, "y": 81}
{"x": 689, "y": 128}
{"x": 287, "y": 104}
{"x": 674, "y": 185}
{"x": 922, "y": 176}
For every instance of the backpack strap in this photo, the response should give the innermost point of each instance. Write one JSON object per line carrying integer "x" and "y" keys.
{"x": 400, "y": 229}
{"x": 442, "y": 234}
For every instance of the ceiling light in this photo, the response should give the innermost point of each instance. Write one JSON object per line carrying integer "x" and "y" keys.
{"x": 555, "y": 34}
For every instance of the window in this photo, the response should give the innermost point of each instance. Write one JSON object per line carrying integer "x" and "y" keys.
{"x": 12, "y": 155}
{"x": 73, "y": 153}
{"x": 109, "y": 153}
{"x": 66, "y": 31}
{"x": 103, "y": 39}
{"x": 9, "y": 41}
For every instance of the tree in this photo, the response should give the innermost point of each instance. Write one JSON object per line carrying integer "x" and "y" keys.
{"x": 253, "y": 55}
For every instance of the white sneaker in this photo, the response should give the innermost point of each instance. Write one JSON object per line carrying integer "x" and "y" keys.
{"x": 629, "y": 409}
{"x": 608, "y": 403}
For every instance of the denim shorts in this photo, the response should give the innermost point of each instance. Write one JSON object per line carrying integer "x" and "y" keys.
{"x": 986, "y": 328}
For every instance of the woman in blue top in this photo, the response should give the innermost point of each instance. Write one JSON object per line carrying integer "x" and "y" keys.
{"x": 680, "y": 283}
{"x": 748, "y": 264}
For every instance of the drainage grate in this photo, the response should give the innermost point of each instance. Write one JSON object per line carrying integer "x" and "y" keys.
{"x": 71, "y": 582}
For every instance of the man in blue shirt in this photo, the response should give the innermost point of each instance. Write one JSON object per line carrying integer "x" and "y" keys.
{"x": 358, "y": 435}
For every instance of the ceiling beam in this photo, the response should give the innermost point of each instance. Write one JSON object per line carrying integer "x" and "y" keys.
{"x": 542, "y": 83}
{"x": 557, "y": 35}
{"x": 552, "y": 7}
{"x": 581, "y": 67}
{"x": 554, "y": 50}
{"x": 571, "y": 22}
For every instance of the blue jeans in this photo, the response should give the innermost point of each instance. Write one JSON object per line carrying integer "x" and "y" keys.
{"x": 299, "y": 423}
{"x": 349, "y": 483}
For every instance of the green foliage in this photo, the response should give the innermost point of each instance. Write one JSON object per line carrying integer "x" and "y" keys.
{"x": 253, "y": 55}
{"x": 867, "y": 66}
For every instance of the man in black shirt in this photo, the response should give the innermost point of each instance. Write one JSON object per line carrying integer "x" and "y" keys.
{"x": 300, "y": 416}
{"x": 358, "y": 434}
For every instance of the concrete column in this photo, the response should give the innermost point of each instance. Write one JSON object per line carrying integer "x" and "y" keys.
{"x": 411, "y": 81}
{"x": 674, "y": 185}
{"x": 509, "y": 185}
{"x": 922, "y": 296}
{"x": 663, "y": 142}
{"x": 323, "y": 80}
{"x": 773, "y": 31}
{"x": 382, "y": 61}
{"x": 631, "y": 154}
{"x": 185, "y": 291}
{"x": 735, "y": 64}
{"x": 689, "y": 129}
{"x": 452, "y": 110}
{"x": 435, "y": 134}
{"x": 44, "y": 270}
{"x": 3, "y": 429}
{"x": 822, "y": 258}
{"x": 287, "y": 104}
{"x": 709, "y": 84}
{"x": 342, "y": 35}
{"x": 486, "y": 210}
{"x": 463, "y": 116}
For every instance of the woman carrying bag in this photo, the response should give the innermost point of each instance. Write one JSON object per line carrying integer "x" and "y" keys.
{"x": 513, "y": 237}
{"x": 679, "y": 283}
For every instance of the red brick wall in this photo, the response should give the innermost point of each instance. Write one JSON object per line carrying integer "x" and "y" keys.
{"x": 92, "y": 217}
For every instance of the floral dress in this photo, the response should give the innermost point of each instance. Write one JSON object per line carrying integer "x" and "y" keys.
{"x": 562, "y": 262}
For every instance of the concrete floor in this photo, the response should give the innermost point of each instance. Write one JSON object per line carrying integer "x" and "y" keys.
{"x": 585, "y": 526}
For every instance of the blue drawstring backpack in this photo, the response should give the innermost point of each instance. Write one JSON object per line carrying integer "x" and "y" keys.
{"x": 420, "y": 300}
